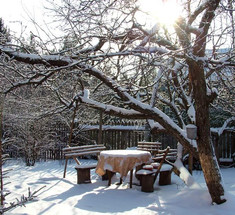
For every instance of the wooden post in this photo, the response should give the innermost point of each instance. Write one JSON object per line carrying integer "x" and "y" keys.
{"x": 233, "y": 145}
{"x": 65, "y": 167}
{"x": 190, "y": 163}
{"x": 100, "y": 128}
{"x": 131, "y": 178}
{"x": 147, "y": 132}
{"x": 216, "y": 146}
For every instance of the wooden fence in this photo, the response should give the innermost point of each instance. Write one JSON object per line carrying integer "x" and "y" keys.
{"x": 225, "y": 146}
{"x": 122, "y": 137}
{"x": 127, "y": 135}
{"x": 114, "y": 137}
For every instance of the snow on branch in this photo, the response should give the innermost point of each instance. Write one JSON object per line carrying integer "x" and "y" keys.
{"x": 221, "y": 130}
{"x": 146, "y": 110}
{"x": 110, "y": 109}
{"x": 93, "y": 48}
{"x": 197, "y": 12}
{"x": 63, "y": 61}
{"x": 186, "y": 176}
{"x": 204, "y": 26}
{"x": 48, "y": 60}
{"x": 154, "y": 125}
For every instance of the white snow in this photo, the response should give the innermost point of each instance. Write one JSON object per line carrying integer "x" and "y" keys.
{"x": 185, "y": 175}
{"x": 166, "y": 167}
{"x": 144, "y": 172}
{"x": 64, "y": 196}
{"x": 86, "y": 93}
{"x": 154, "y": 124}
{"x": 113, "y": 127}
{"x": 192, "y": 113}
{"x": 124, "y": 153}
{"x": 191, "y": 126}
{"x": 221, "y": 130}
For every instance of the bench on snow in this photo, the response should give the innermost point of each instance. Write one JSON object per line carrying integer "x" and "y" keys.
{"x": 83, "y": 171}
{"x": 155, "y": 148}
{"x": 147, "y": 174}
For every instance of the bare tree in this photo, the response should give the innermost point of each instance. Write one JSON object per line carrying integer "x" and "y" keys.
{"x": 153, "y": 73}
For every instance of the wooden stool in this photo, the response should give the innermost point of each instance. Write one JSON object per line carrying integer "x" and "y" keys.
{"x": 165, "y": 175}
{"x": 146, "y": 180}
{"x": 165, "y": 178}
{"x": 83, "y": 173}
{"x": 147, "y": 183}
{"x": 139, "y": 167}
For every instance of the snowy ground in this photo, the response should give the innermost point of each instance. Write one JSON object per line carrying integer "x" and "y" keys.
{"x": 65, "y": 197}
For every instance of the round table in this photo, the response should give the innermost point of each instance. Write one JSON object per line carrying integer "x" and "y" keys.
{"x": 121, "y": 161}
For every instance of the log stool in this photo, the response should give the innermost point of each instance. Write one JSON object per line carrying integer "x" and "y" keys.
{"x": 137, "y": 168}
{"x": 146, "y": 180}
{"x": 83, "y": 173}
{"x": 165, "y": 175}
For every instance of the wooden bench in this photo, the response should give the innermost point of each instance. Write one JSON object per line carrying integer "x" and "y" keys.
{"x": 167, "y": 168}
{"x": 170, "y": 158}
{"x": 157, "y": 154}
{"x": 155, "y": 148}
{"x": 83, "y": 171}
{"x": 152, "y": 147}
{"x": 148, "y": 175}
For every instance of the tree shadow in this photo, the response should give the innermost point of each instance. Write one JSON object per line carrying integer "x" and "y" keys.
{"x": 98, "y": 197}
{"x": 106, "y": 200}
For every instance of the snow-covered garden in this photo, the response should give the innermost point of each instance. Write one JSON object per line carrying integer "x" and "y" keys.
{"x": 94, "y": 62}
{"x": 65, "y": 196}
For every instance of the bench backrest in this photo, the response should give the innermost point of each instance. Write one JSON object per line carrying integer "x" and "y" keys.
{"x": 77, "y": 151}
{"x": 152, "y": 147}
{"x": 172, "y": 155}
{"x": 162, "y": 157}
{"x": 155, "y": 148}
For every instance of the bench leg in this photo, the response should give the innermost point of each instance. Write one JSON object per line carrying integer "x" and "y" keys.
{"x": 131, "y": 178}
{"x": 65, "y": 167}
{"x": 83, "y": 175}
{"x": 165, "y": 178}
{"x": 147, "y": 182}
{"x": 139, "y": 167}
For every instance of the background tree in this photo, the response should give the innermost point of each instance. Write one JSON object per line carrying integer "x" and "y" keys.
{"x": 4, "y": 38}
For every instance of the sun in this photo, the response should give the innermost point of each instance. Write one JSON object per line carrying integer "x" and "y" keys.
{"x": 164, "y": 12}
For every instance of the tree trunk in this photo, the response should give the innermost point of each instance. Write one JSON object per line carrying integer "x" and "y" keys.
{"x": 206, "y": 152}
{"x": 1, "y": 161}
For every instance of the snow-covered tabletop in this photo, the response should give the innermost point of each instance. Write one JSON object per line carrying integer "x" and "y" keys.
{"x": 121, "y": 161}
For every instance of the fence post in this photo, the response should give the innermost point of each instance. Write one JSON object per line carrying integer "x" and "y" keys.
{"x": 216, "y": 146}
{"x": 100, "y": 128}
{"x": 190, "y": 163}
{"x": 147, "y": 132}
